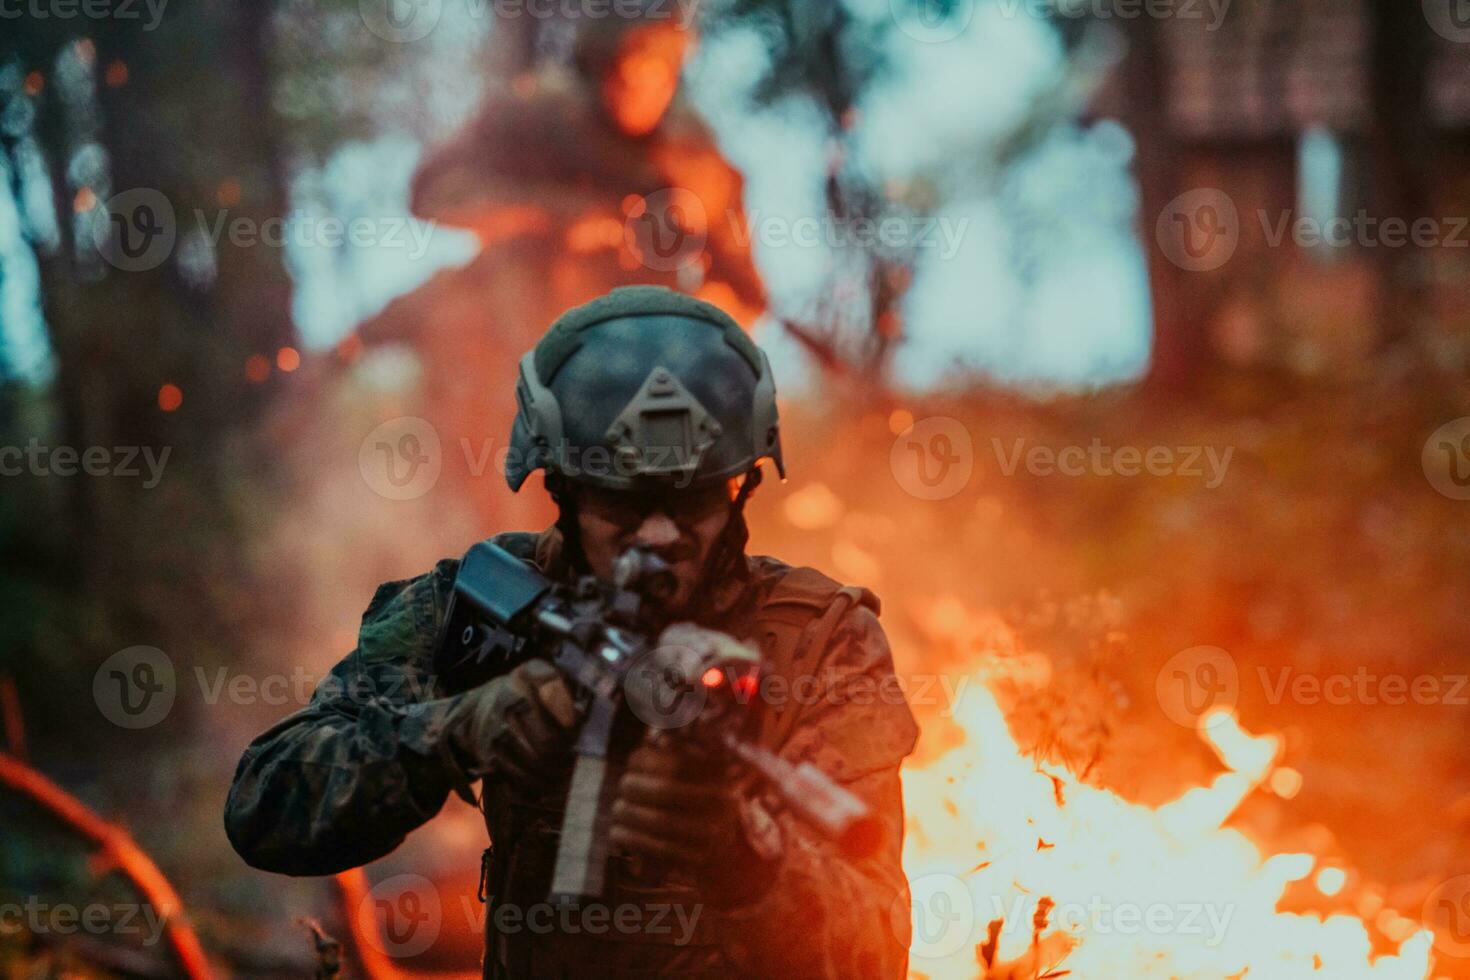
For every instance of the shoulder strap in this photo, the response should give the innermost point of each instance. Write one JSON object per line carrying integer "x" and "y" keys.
{"x": 794, "y": 626}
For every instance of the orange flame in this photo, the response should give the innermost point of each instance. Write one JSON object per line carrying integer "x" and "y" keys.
{"x": 1020, "y": 869}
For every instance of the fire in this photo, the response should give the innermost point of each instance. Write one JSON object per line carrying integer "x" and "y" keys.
{"x": 594, "y": 232}
{"x": 1021, "y": 870}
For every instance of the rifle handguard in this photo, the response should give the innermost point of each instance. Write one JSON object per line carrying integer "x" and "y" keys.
{"x": 812, "y": 795}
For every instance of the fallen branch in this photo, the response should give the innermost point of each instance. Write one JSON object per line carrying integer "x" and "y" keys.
{"x": 122, "y": 851}
{"x": 327, "y": 950}
{"x": 376, "y": 965}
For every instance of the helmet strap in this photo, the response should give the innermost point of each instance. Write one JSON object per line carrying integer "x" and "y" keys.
{"x": 729, "y": 547}
{"x": 564, "y": 495}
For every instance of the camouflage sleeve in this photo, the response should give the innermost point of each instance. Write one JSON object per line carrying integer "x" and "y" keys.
{"x": 343, "y": 781}
{"x": 856, "y": 725}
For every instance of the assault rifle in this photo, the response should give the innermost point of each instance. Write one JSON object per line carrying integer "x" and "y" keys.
{"x": 503, "y": 610}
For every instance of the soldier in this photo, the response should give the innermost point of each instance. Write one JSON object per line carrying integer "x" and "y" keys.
{"x": 650, "y": 412}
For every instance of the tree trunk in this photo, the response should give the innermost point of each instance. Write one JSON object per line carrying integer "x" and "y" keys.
{"x": 1181, "y": 348}
{"x": 1402, "y": 153}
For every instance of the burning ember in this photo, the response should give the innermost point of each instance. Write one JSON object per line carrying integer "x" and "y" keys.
{"x": 1020, "y": 870}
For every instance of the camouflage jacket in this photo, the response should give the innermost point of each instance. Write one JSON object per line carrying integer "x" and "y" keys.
{"x": 341, "y": 782}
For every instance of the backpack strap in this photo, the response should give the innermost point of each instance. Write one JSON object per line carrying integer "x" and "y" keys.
{"x": 794, "y": 627}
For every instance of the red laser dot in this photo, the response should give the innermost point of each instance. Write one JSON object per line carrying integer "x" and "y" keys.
{"x": 713, "y": 677}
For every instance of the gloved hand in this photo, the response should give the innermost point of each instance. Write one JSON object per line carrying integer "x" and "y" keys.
{"x": 516, "y": 726}
{"x": 678, "y": 809}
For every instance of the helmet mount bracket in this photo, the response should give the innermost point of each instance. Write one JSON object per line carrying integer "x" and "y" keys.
{"x": 664, "y": 430}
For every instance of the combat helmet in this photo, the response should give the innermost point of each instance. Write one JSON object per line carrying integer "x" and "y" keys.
{"x": 644, "y": 388}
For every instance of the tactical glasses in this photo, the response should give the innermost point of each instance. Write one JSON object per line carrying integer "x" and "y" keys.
{"x": 630, "y": 508}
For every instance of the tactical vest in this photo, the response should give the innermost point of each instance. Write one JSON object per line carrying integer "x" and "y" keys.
{"x": 793, "y": 627}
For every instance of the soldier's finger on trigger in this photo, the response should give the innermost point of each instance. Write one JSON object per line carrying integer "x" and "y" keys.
{"x": 528, "y": 733}
{"x": 557, "y": 700}
{"x": 673, "y": 827}
{"x": 668, "y": 758}
{"x": 549, "y": 689}
{"x": 654, "y": 760}
{"x": 651, "y": 790}
{"x": 651, "y": 846}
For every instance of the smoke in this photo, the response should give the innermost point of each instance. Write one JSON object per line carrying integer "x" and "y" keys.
{"x": 1026, "y": 266}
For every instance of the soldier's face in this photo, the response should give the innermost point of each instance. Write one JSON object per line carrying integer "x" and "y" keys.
{"x": 681, "y": 528}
